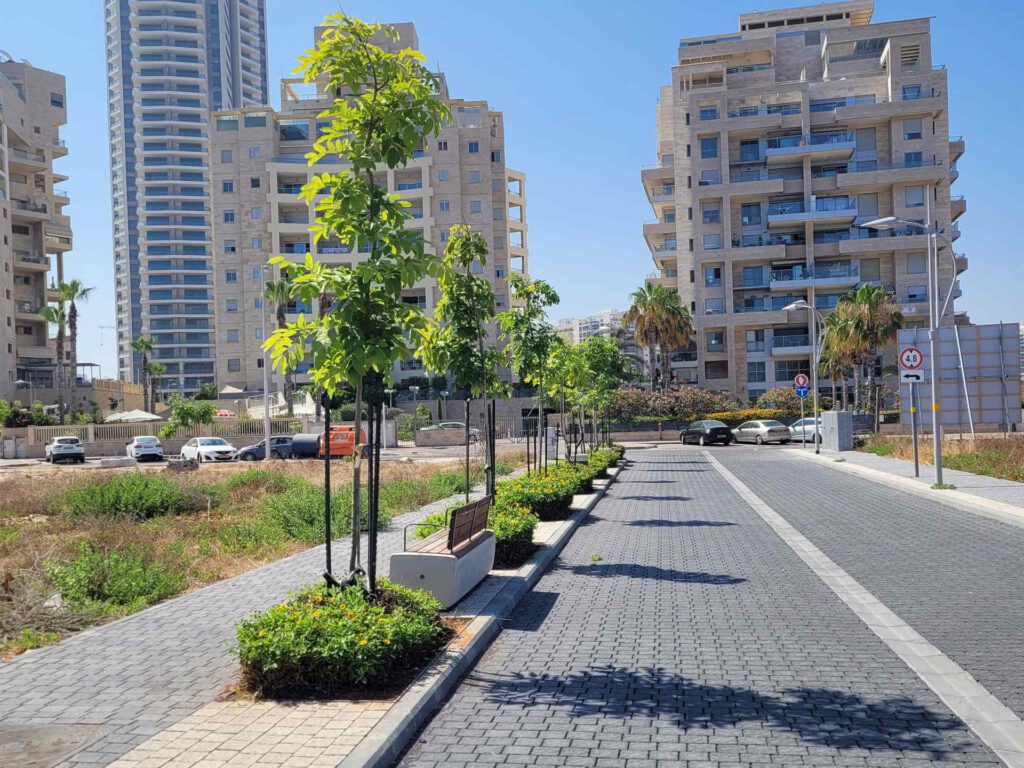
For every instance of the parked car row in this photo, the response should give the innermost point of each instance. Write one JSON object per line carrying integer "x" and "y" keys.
{"x": 757, "y": 431}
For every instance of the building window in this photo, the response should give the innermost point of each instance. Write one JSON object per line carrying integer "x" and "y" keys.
{"x": 229, "y": 216}
{"x": 912, "y": 129}
{"x": 56, "y": 100}
{"x": 755, "y": 343}
{"x": 234, "y": 365}
{"x": 257, "y": 243}
{"x": 228, "y": 186}
{"x": 751, "y": 214}
{"x": 226, "y": 156}
{"x": 756, "y": 372}
{"x": 711, "y": 213}
{"x": 785, "y": 370}
{"x": 496, "y": 156}
{"x": 911, "y": 92}
{"x": 259, "y": 362}
{"x": 709, "y": 147}
{"x": 712, "y": 241}
{"x": 254, "y": 153}
{"x": 709, "y": 113}
{"x": 444, "y": 206}
{"x": 714, "y": 306}
{"x": 257, "y": 273}
{"x": 474, "y": 177}
{"x": 716, "y": 369}
{"x": 708, "y": 178}
{"x": 442, "y": 175}
{"x": 750, "y": 150}
{"x": 257, "y": 303}
{"x": 254, "y": 182}
{"x": 257, "y": 332}
{"x": 474, "y": 147}
{"x": 442, "y": 146}
{"x": 232, "y": 305}
{"x": 913, "y": 197}
{"x": 475, "y": 206}
{"x": 255, "y": 214}
{"x": 255, "y": 121}
{"x": 231, "y": 276}
{"x": 913, "y": 159}
{"x": 229, "y": 246}
{"x": 917, "y": 263}
{"x": 917, "y": 293}
{"x": 234, "y": 336}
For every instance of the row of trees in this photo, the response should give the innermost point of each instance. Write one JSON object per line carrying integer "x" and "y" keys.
{"x": 64, "y": 315}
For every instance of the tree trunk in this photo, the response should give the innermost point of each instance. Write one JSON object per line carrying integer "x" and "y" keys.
{"x": 59, "y": 375}
{"x": 73, "y": 328}
{"x": 145, "y": 384}
{"x": 357, "y": 468}
{"x": 289, "y": 376}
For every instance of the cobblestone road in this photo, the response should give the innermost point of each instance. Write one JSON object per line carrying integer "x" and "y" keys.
{"x": 109, "y": 689}
{"x": 956, "y": 577}
{"x": 676, "y": 629}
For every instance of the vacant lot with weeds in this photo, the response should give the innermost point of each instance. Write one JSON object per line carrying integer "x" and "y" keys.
{"x": 81, "y": 547}
{"x": 1001, "y": 457}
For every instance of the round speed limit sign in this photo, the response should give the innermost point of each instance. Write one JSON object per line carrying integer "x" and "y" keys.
{"x": 911, "y": 358}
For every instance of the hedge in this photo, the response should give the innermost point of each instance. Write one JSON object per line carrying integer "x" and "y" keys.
{"x": 735, "y": 418}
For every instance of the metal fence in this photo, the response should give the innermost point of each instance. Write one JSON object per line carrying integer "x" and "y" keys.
{"x": 124, "y": 432}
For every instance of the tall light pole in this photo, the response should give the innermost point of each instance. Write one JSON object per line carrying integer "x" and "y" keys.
{"x": 391, "y": 394}
{"x": 31, "y": 390}
{"x": 266, "y": 368}
{"x": 934, "y": 313}
{"x": 816, "y": 317}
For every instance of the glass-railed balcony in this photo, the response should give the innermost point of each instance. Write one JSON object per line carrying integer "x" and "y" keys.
{"x": 773, "y": 304}
{"x": 834, "y": 145}
{"x": 762, "y": 239}
{"x": 828, "y": 275}
{"x": 860, "y": 233}
{"x": 825, "y": 210}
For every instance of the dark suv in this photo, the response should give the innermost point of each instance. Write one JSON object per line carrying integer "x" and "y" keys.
{"x": 280, "y": 448}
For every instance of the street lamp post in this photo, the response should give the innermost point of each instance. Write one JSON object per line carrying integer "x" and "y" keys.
{"x": 266, "y": 372}
{"x": 816, "y": 317}
{"x": 444, "y": 396}
{"x": 31, "y": 390}
{"x": 415, "y": 391}
{"x": 391, "y": 394}
{"x": 934, "y": 314}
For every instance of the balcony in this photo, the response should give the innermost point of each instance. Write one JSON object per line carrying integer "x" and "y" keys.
{"x": 820, "y": 147}
{"x": 828, "y": 210}
{"x": 960, "y": 259}
{"x": 870, "y": 173}
{"x": 665, "y": 170}
{"x": 791, "y": 346}
{"x": 29, "y": 209}
{"x": 31, "y": 261}
{"x": 658, "y": 228}
{"x": 27, "y": 310}
{"x": 664, "y": 193}
{"x": 954, "y": 232}
{"x": 763, "y": 239}
{"x": 956, "y": 148}
{"x": 957, "y": 207}
{"x": 820, "y": 276}
{"x": 773, "y": 304}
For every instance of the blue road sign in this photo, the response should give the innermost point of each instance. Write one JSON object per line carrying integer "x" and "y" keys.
{"x": 803, "y": 392}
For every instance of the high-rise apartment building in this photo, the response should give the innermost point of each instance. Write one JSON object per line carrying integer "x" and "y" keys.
{"x": 169, "y": 64}
{"x": 33, "y": 226}
{"x": 577, "y": 329}
{"x": 775, "y": 144}
{"x": 259, "y": 167}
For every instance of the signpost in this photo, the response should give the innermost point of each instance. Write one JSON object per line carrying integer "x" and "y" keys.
{"x": 911, "y": 361}
{"x": 800, "y": 384}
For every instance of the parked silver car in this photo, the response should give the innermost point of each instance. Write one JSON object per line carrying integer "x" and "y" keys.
{"x": 801, "y": 426}
{"x": 762, "y": 431}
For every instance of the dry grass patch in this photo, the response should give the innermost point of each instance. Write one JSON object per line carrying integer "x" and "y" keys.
{"x": 1001, "y": 457}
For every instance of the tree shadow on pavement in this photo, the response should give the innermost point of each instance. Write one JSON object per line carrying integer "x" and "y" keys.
{"x": 657, "y": 498}
{"x": 819, "y": 716}
{"x": 637, "y": 571}
{"x": 662, "y": 523}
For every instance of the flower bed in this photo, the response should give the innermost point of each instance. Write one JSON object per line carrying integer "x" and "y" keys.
{"x": 325, "y": 642}
{"x": 547, "y": 496}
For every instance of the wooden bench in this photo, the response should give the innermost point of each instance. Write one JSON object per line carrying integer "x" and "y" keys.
{"x": 451, "y": 561}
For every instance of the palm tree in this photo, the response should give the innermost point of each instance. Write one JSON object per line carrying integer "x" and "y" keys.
{"x": 144, "y": 346}
{"x": 153, "y": 372}
{"x": 57, "y": 315}
{"x": 659, "y": 321}
{"x": 834, "y": 359}
{"x": 72, "y": 292}
{"x": 874, "y": 320}
{"x": 279, "y": 293}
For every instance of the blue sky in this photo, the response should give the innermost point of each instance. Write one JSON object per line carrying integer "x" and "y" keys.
{"x": 577, "y": 82}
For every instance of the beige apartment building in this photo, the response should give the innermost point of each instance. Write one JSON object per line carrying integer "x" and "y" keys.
{"x": 259, "y": 167}
{"x": 33, "y": 226}
{"x": 574, "y": 330}
{"x": 775, "y": 144}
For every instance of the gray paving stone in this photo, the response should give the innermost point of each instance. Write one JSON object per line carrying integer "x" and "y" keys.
{"x": 697, "y": 638}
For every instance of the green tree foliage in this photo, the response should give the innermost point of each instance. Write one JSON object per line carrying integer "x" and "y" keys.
{"x": 58, "y": 316}
{"x": 206, "y": 391}
{"x": 187, "y": 412}
{"x": 73, "y": 292}
{"x": 527, "y": 333}
{"x": 660, "y": 322}
{"x": 144, "y": 346}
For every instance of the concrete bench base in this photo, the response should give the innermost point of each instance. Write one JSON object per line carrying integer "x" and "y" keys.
{"x": 445, "y": 576}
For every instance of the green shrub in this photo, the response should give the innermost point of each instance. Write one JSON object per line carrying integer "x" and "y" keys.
{"x": 257, "y": 478}
{"x": 299, "y": 511}
{"x": 735, "y": 418}
{"x": 115, "y": 581}
{"x": 433, "y": 523}
{"x": 252, "y": 536}
{"x": 131, "y": 494}
{"x": 446, "y": 483}
{"x": 513, "y": 532}
{"x": 325, "y": 642}
{"x": 547, "y": 496}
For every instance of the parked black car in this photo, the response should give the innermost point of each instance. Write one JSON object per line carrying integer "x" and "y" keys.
{"x": 280, "y": 448}
{"x": 706, "y": 432}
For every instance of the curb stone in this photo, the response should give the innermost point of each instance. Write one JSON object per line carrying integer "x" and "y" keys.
{"x": 996, "y": 510}
{"x": 414, "y": 708}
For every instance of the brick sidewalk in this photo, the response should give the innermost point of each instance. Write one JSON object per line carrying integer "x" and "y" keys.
{"x": 678, "y": 630}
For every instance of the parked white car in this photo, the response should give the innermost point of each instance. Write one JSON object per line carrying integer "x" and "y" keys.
{"x": 67, "y": 448}
{"x": 800, "y": 426}
{"x": 764, "y": 431}
{"x": 474, "y": 433}
{"x": 144, "y": 447}
{"x": 209, "y": 449}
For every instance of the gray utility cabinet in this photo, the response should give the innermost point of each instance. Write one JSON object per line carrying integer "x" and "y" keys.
{"x": 837, "y": 430}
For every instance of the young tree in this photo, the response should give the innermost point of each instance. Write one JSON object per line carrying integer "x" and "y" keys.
{"x": 527, "y": 333}
{"x": 144, "y": 346}
{"x": 874, "y": 320}
{"x": 73, "y": 292}
{"x": 454, "y": 341}
{"x": 279, "y": 293}
{"x": 153, "y": 372}
{"x": 606, "y": 369}
{"x": 206, "y": 391}
{"x": 386, "y": 106}
{"x": 187, "y": 412}
{"x": 55, "y": 314}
